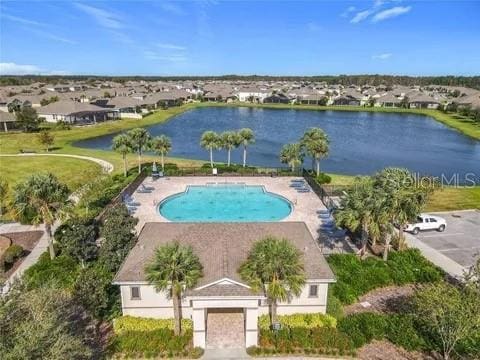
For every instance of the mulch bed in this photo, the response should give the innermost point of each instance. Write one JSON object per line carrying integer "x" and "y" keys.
{"x": 383, "y": 300}
{"x": 27, "y": 240}
{"x": 384, "y": 350}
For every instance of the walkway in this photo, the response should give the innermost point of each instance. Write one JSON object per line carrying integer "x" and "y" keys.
{"x": 105, "y": 165}
{"x": 31, "y": 258}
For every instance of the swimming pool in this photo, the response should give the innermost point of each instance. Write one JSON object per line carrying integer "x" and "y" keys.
{"x": 225, "y": 203}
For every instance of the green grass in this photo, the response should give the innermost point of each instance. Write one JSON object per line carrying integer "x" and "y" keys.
{"x": 73, "y": 172}
{"x": 451, "y": 198}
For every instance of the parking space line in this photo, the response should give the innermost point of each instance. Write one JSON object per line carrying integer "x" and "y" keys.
{"x": 464, "y": 248}
{"x": 436, "y": 235}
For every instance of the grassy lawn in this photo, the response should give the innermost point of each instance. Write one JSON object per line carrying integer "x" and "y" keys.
{"x": 73, "y": 172}
{"x": 455, "y": 199}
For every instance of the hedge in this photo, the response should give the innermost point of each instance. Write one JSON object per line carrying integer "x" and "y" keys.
{"x": 362, "y": 328}
{"x": 298, "y": 340}
{"x": 141, "y": 337}
{"x": 12, "y": 253}
{"x": 131, "y": 323}
{"x": 356, "y": 277}
{"x": 306, "y": 321}
{"x": 60, "y": 272}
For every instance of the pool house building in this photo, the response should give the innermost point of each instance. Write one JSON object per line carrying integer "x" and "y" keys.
{"x": 223, "y": 308}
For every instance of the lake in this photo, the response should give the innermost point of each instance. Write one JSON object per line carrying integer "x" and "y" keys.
{"x": 361, "y": 142}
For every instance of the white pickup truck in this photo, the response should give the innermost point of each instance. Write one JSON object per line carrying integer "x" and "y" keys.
{"x": 427, "y": 222}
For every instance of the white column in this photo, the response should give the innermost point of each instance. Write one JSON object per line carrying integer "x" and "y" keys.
{"x": 251, "y": 326}
{"x": 199, "y": 327}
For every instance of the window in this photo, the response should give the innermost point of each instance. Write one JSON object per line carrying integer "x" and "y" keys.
{"x": 313, "y": 291}
{"x": 432, "y": 220}
{"x": 135, "y": 293}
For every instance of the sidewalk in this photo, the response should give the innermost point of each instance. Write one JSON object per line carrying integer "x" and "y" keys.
{"x": 31, "y": 258}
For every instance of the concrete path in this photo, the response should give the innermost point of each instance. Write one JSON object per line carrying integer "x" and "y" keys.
{"x": 218, "y": 354}
{"x": 31, "y": 258}
{"x": 106, "y": 166}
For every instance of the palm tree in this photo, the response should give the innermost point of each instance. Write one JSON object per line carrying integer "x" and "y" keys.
{"x": 229, "y": 141}
{"x": 359, "y": 209}
{"x": 139, "y": 139}
{"x": 316, "y": 143}
{"x": 292, "y": 154}
{"x": 41, "y": 198}
{"x": 210, "y": 141}
{"x": 162, "y": 146}
{"x": 174, "y": 269}
{"x": 274, "y": 266}
{"x": 403, "y": 199}
{"x": 122, "y": 144}
{"x": 247, "y": 137}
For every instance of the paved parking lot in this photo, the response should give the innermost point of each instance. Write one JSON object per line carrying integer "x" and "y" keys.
{"x": 460, "y": 241}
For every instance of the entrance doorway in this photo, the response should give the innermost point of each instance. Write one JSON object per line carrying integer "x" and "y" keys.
{"x": 225, "y": 328}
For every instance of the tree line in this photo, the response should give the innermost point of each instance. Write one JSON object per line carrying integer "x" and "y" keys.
{"x": 364, "y": 79}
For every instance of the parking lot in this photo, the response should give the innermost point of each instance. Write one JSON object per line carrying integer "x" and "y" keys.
{"x": 461, "y": 239}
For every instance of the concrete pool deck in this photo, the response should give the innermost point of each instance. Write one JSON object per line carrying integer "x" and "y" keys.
{"x": 307, "y": 207}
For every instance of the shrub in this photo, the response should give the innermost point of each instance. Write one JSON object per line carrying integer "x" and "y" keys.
{"x": 362, "y": 328}
{"x": 356, "y": 277}
{"x": 131, "y": 323}
{"x": 143, "y": 337}
{"x": 12, "y": 253}
{"x": 60, "y": 272}
{"x": 334, "y": 306}
{"x": 307, "y": 321}
{"x": 323, "y": 179}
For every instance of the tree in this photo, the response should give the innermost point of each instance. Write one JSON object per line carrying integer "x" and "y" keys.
{"x": 27, "y": 118}
{"x": 448, "y": 314}
{"x": 46, "y": 138}
{"x": 210, "y": 141}
{"x": 358, "y": 210}
{"x": 316, "y": 143}
{"x": 77, "y": 238}
{"x": 292, "y": 154}
{"x": 118, "y": 236}
{"x": 139, "y": 138}
{"x": 123, "y": 145}
{"x": 41, "y": 198}
{"x": 403, "y": 198}
{"x": 246, "y": 137}
{"x": 174, "y": 269}
{"x": 3, "y": 193}
{"x": 229, "y": 140}
{"x": 44, "y": 323}
{"x": 95, "y": 292}
{"x": 162, "y": 145}
{"x": 405, "y": 102}
{"x": 275, "y": 267}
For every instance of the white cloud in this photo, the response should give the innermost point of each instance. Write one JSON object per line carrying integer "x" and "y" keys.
{"x": 22, "y": 20}
{"x": 153, "y": 55}
{"x": 383, "y": 56}
{"x": 21, "y": 69}
{"x": 347, "y": 12}
{"x": 170, "y": 46}
{"x": 171, "y": 8}
{"x": 391, "y": 13}
{"x": 360, "y": 16}
{"x": 54, "y": 37}
{"x": 313, "y": 27}
{"x": 104, "y": 18}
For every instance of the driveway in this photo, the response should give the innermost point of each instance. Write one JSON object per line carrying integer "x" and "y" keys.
{"x": 460, "y": 242}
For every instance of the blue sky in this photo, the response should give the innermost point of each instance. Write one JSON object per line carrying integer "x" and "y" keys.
{"x": 240, "y": 37}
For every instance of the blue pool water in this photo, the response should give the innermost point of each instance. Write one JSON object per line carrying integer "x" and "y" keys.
{"x": 225, "y": 203}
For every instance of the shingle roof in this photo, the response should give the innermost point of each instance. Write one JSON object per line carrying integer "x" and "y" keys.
{"x": 222, "y": 248}
{"x": 66, "y": 107}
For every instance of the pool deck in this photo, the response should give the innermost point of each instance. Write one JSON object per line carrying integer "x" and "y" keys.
{"x": 307, "y": 207}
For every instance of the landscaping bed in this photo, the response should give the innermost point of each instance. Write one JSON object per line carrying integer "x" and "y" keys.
{"x": 141, "y": 337}
{"x": 27, "y": 240}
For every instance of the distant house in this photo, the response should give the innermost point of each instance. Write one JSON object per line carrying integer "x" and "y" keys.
{"x": 388, "y": 101}
{"x": 253, "y": 94}
{"x": 422, "y": 101}
{"x": 347, "y": 100}
{"x": 76, "y": 112}
{"x": 277, "y": 99}
{"x": 7, "y": 121}
{"x": 127, "y": 107}
{"x": 221, "y": 248}
{"x": 472, "y": 100}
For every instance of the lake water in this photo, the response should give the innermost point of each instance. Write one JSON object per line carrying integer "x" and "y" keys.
{"x": 361, "y": 142}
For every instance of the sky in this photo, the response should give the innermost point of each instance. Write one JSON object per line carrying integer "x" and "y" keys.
{"x": 240, "y": 37}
